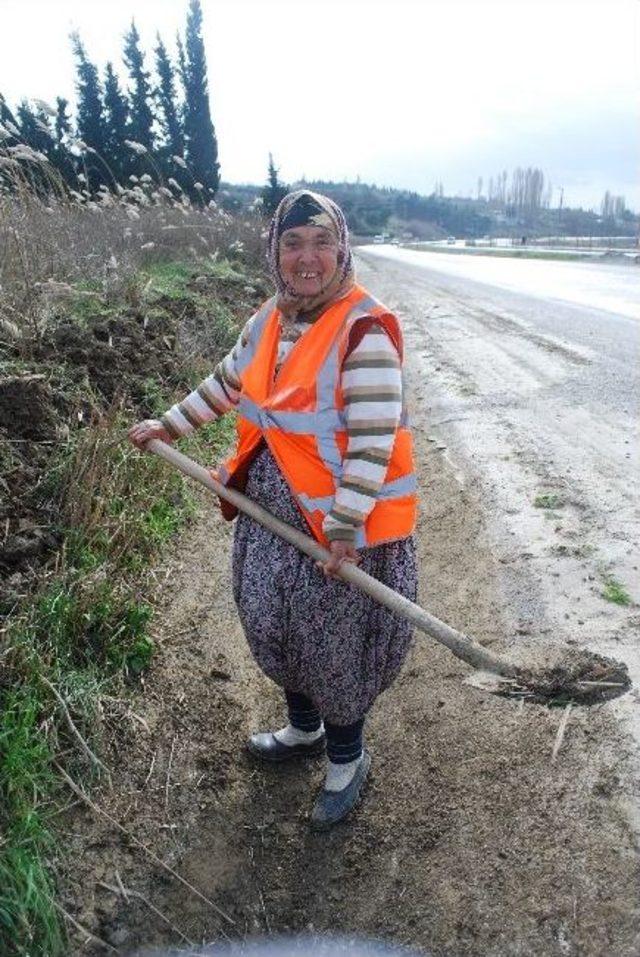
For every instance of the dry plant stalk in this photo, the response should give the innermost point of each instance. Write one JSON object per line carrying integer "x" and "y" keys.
{"x": 89, "y": 935}
{"x": 74, "y": 730}
{"x": 561, "y": 732}
{"x": 126, "y": 892}
{"x": 154, "y": 857}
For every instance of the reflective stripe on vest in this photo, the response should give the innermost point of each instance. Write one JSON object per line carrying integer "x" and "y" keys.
{"x": 261, "y": 317}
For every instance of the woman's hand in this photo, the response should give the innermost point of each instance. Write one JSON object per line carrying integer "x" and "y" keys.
{"x": 340, "y": 552}
{"x": 143, "y": 432}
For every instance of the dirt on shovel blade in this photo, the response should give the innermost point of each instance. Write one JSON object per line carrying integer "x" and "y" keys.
{"x": 584, "y": 677}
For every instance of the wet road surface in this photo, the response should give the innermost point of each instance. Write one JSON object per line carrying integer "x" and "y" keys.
{"x": 534, "y": 399}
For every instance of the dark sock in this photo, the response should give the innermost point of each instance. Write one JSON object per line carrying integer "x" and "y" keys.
{"x": 344, "y": 741}
{"x": 303, "y": 714}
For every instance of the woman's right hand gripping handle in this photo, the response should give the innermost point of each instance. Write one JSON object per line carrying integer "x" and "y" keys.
{"x": 143, "y": 432}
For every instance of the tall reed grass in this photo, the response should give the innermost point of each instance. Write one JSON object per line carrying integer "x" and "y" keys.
{"x": 54, "y": 236}
{"x": 82, "y": 635}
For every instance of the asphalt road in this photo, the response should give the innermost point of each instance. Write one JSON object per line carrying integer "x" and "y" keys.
{"x": 531, "y": 387}
{"x": 611, "y": 286}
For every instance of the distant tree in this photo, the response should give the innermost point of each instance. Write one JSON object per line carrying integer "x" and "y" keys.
{"x": 116, "y": 108}
{"x": 619, "y": 207}
{"x": 182, "y": 60}
{"x": 62, "y": 135}
{"x": 34, "y": 128}
{"x": 273, "y": 191}
{"x": 201, "y": 147}
{"x": 7, "y": 118}
{"x": 612, "y": 207}
{"x": 140, "y": 93}
{"x": 90, "y": 124}
{"x": 479, "y": 187}
{"x": 170, "y": 119}
{"x": 62, "y": 121}
{"x": 36, "y": 132}
{"x": 7, "y": 136}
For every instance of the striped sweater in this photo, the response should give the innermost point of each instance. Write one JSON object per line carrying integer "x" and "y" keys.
{"x": 372, "y": 387}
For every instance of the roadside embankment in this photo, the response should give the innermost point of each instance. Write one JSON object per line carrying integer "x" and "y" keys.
{"x": 83, "y": 519}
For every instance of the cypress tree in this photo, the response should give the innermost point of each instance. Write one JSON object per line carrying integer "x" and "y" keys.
{"x": 7, "y": 119}
{"x": 31, "y": 132}
{"x": 63, "y": 120}
{"x": 182, "y": 60}
{"x": 62, "y": 134}
{"x": 35, "y": 127}
{"x": 170, "y": 120}
{"x": 90, "y": 121}
{"x": 200, "y": 138}
{"x": 116, "y": 115}
{"x": 141, "y": 117}
{"x": 36, "y": 132}
{"x": 274, "y": 191}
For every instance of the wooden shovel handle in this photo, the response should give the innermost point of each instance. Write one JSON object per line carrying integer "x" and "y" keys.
{"x": 458, "y": 643}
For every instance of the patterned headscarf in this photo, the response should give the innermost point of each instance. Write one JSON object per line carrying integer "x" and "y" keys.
{"x": 305, "y": 208}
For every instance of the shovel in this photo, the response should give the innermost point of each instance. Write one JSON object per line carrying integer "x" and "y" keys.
{"x": 592, "y": 678}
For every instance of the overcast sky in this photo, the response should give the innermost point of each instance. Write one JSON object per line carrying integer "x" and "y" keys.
{"x": 398, "y": 92}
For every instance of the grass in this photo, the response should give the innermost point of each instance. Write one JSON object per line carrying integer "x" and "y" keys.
{"x": 83, "y": 626}
{"x": 172, "y": 279}
{"x": 27, "y": 913}
{"x": 86, "y": 629}
{"x": 87, "y": 632}
{"x": 501, "y": 253}
{"x": 548, "y": 500}
{"x": 614, "y": 591}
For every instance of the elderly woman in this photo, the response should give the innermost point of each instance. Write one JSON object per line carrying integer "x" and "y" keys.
{"x": 323, "y": 443}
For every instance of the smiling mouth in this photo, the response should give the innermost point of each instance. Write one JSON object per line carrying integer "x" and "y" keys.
{"x": 308, "y": 275}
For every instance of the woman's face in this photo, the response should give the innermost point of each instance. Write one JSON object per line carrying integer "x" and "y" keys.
{"x": 308, "y": 259}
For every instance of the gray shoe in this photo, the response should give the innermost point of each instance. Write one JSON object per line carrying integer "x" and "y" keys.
{"x": 333, "y": 806}
{"x": 266, "y": 747}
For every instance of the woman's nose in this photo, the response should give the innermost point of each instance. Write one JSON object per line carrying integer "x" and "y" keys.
{"x": 308, "y": 252}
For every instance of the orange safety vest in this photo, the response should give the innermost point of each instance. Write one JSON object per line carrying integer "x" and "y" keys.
{"x": 300, "y": 414}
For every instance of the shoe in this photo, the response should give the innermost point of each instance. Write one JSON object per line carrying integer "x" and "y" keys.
{"x": 333, "y": 806}
{"x": 266, "y": 746}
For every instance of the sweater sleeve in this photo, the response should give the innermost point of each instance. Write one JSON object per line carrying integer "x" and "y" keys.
{"x": 217, "y": 394}
{"x": 372, "y": 387}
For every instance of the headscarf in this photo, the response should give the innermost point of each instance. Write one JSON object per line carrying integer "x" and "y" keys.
{"x": 306, "y": 208}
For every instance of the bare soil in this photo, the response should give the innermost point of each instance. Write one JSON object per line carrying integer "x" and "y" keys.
{"x": 117, "y": 354}
{"x": 469, "y": 840}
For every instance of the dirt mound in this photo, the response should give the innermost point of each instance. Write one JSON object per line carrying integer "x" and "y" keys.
{"x": 86, "y": 364}
{"x": 26, "y": 407}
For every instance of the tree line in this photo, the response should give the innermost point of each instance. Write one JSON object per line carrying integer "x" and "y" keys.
{"x": 372, "y": 209}
{"x": 160, "y": 125}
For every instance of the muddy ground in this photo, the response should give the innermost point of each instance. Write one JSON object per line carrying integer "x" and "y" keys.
{"x": 469, "y": 840}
